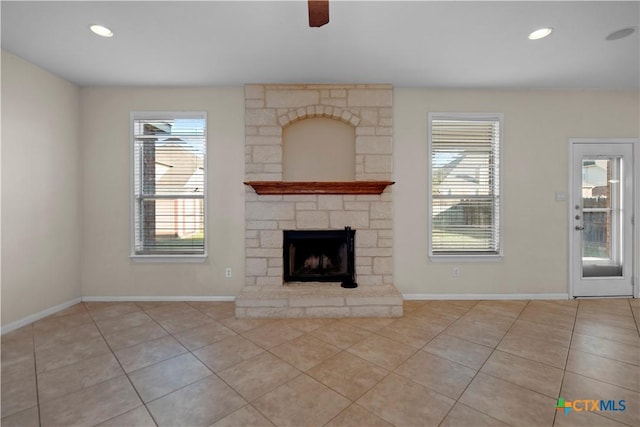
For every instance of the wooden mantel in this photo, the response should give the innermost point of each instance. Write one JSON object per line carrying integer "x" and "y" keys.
{"x": 319, "y": 187}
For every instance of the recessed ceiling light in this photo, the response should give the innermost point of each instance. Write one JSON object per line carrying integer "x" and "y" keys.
{"x": 540, "y": 33}
{"x": 621, "y": 33}
{"x": 101, "y": 30}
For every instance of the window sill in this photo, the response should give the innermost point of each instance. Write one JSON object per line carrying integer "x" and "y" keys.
{"x": 466, "y": 258}
{"x": 168, "y": 258}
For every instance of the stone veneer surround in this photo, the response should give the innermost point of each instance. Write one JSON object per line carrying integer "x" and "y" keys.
{"x": 268, "y": 109}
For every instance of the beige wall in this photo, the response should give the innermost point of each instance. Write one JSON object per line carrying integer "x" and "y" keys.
{"x": 41, "y": 225}
{"x": 106, "y": 267}
{"x": 66, "y": 177}
{"x": 537, "y": 127}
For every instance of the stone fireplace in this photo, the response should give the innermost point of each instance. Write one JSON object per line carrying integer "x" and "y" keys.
{"x": 274, "y": 206}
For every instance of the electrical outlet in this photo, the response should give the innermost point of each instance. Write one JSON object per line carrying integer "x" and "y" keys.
{"x": 455, "y": 272}
{"x": 227, "y": 272}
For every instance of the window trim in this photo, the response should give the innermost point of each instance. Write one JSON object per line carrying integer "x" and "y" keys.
{"x": 165, "y": 258}
{"x": 471, "y": 257}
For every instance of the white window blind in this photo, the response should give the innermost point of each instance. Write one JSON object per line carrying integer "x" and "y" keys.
{"x": 169, "y": 173}
{"x": 465, "y": 185}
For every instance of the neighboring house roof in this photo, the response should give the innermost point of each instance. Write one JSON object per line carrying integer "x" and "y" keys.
{"x": 458, "y": 172}
{"x": 593, "y": 175}
{"x": 186, "y": 169}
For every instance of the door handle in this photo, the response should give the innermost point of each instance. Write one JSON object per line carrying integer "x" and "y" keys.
{"x": 579, "y": 227}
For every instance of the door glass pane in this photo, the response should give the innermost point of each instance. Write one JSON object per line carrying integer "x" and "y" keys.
{"x": 596, "y": 241}
{"x": 601, "y": 249}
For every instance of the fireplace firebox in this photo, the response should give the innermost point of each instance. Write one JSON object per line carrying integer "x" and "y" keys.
{"x": 320, "y": 256}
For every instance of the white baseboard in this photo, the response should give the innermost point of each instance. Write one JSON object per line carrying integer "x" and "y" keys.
{"x": 52, "y": 310}
{"x": 37, "y": 316}
{"x": 484, "y": 296}
{"x": 156, "y": 298}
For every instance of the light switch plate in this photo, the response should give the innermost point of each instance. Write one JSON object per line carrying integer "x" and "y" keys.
{"x": 561, "y": 196}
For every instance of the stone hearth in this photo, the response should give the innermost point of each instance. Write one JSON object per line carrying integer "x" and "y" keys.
{"x": 268, "y": 110}
{"x": 319, "y": 300}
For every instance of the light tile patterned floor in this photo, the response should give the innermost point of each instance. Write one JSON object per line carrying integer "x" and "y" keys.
{"x": 444, "y": 363}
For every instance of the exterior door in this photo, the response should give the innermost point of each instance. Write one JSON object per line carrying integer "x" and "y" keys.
{"x": 602, "y": 219}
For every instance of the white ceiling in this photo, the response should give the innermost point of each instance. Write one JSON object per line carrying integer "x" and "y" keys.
{"x": 473, "y": 44}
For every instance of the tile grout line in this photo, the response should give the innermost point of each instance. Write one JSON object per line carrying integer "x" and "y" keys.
{"x": 304, "y": 333}
{"x": 635, "y": 319}
{"x": 522, "y": 357}
{"x": 214, "y": 373}
{"x": 189, "y": 351}
{"x": 35, "y": 368}
{"x": 250, "y": 402}
{"x": 565, "y": 371}
{"x": 495, "y": 348}
{"x": 422, "y": 349}
{"x": 389, "y": 372}
{"x": 566, "y": 361}
{"x": 123, "y": 370}
{"x": 526, "y": 358}
{"x": 133, "y": 345}
{"x": 604, "y": 357}
{"x": 344, "y": 410}
{"x": 65, "y": 366}
{"x": 392, "y": 371}
{"x": 343, "y": 350}
{"x": 253, "y": 406}
{"x": 264, "y": 349}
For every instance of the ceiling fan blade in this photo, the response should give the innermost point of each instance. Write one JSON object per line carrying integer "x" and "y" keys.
{"x": 318, "y": 12}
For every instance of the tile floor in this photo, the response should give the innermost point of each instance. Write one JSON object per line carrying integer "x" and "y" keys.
{"x": 444, "y": 363}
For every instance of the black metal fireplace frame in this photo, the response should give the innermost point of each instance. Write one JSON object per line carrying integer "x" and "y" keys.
{"x": 348, "y": 279}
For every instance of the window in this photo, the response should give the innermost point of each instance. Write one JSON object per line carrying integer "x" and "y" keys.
{"x": 169, "y": 176}
{"x": 465, "y": 184}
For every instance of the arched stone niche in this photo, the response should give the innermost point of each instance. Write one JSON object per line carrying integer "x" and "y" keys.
{"x": 318, "y": 149}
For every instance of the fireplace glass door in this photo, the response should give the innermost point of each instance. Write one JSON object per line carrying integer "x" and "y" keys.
{"x": 318, "y": 255}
